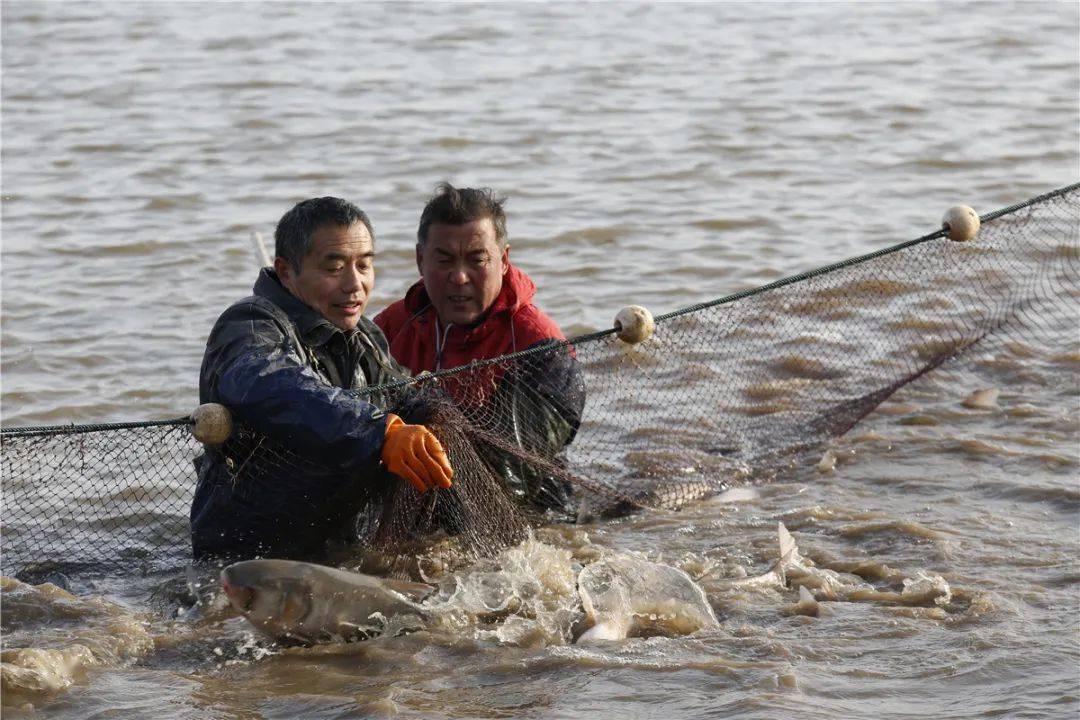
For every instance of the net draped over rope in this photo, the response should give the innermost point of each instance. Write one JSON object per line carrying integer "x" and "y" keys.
{"x": 722, "y": 392}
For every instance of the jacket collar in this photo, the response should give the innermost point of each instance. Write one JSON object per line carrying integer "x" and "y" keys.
{"x": 315, "y": 330}
{"x": 517, "y": 291}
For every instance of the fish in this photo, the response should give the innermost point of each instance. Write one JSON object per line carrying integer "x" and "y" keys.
{"x": 985, "y": 399}
{"x": 793, "y": 570}
{"x": 299, "y": 603}
{"x": 776, "y": 577}
{"x": 807, "y": 604}
{"x": 625, "y": 596}
{"x": 815, "y": 583}
{"x": 620, "y": 595}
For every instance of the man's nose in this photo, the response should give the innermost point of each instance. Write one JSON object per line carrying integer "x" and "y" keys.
{"x": 350, "y": 280}
{"x": 458, "y": 276}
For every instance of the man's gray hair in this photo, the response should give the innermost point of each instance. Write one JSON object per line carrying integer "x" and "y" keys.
{"x": 458, "y": 206}
{"x": 292, "y": 238}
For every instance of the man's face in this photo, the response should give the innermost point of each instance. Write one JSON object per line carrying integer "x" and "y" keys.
{"x": 336, "y": 276}
{"x": 463, "y": 268}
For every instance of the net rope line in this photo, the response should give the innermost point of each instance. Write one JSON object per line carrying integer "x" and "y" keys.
{"x": 45, "y": 430}
{"x": 723, "y": 392}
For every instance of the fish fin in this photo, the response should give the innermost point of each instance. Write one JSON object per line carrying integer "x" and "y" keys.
{"x": 789, "y": 552}
{"x": 787, "y": 543}
{"x": 807, "y": 605}
{"x": 413, "y": 590}
{"x": 607, "y": 629}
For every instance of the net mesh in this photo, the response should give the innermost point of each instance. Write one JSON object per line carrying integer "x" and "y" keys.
{"x": 722, "y": 392}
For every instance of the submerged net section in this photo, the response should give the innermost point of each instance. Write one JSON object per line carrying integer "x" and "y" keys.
{"x": 83, "y": 496}
{"x": 722, "y": 392}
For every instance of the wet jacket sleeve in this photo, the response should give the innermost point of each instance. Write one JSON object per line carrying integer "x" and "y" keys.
{"x": 253, "y": 367}
{"x": 539, "y": 404}
{"x": 550, "y": 393}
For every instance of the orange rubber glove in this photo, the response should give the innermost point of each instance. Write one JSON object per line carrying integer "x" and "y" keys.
{"x": 413, "y": 453}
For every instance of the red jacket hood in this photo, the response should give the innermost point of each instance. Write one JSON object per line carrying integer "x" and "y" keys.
{"x": 513, "y": 323}
{"x": 517, "y": 291}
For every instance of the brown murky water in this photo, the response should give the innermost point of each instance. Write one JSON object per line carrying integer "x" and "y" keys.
{"x": 656, "y": 154}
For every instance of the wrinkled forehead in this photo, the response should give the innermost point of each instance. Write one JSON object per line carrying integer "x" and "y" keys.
{"x": 465, "y": 238}
{"x": 348, "y": 241}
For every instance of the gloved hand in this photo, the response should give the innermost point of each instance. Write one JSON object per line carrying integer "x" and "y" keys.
{"x": 412, "y": 452}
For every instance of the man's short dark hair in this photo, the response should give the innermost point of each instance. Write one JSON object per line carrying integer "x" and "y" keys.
{"x": 292, "y": 238}
{"x": 458, "y": 206}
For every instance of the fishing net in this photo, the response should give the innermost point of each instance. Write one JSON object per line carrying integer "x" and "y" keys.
{"x": 722, "y": 392}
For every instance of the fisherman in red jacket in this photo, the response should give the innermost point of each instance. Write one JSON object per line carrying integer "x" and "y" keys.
{"x": 472, "y": 304}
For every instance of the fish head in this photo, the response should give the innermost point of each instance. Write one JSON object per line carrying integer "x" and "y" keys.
{"x": 276, "y": 596}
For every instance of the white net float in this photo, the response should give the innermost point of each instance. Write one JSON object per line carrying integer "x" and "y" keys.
{"x": 213, "y": 424}
{"x": 634, "y": 324}
{"x": 960, "y": 222}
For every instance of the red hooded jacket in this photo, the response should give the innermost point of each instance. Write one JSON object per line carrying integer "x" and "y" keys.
{"x": 420, "y": 342}
{"x": 536, "y": 403}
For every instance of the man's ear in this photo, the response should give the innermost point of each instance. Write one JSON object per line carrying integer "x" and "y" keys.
{"x": 419, "y": 258}
{"x": 506, "y": 259}
{"x": 283, "y": 269}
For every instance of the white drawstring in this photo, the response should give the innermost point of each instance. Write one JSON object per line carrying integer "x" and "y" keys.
{"x": 439, "y": 345}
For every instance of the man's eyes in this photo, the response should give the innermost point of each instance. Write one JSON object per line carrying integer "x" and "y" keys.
{"x": 471, "y": 260}
{"x": 338, "y": 267}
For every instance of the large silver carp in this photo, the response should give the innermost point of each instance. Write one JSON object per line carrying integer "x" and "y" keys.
{"x": 298, "y": 602}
